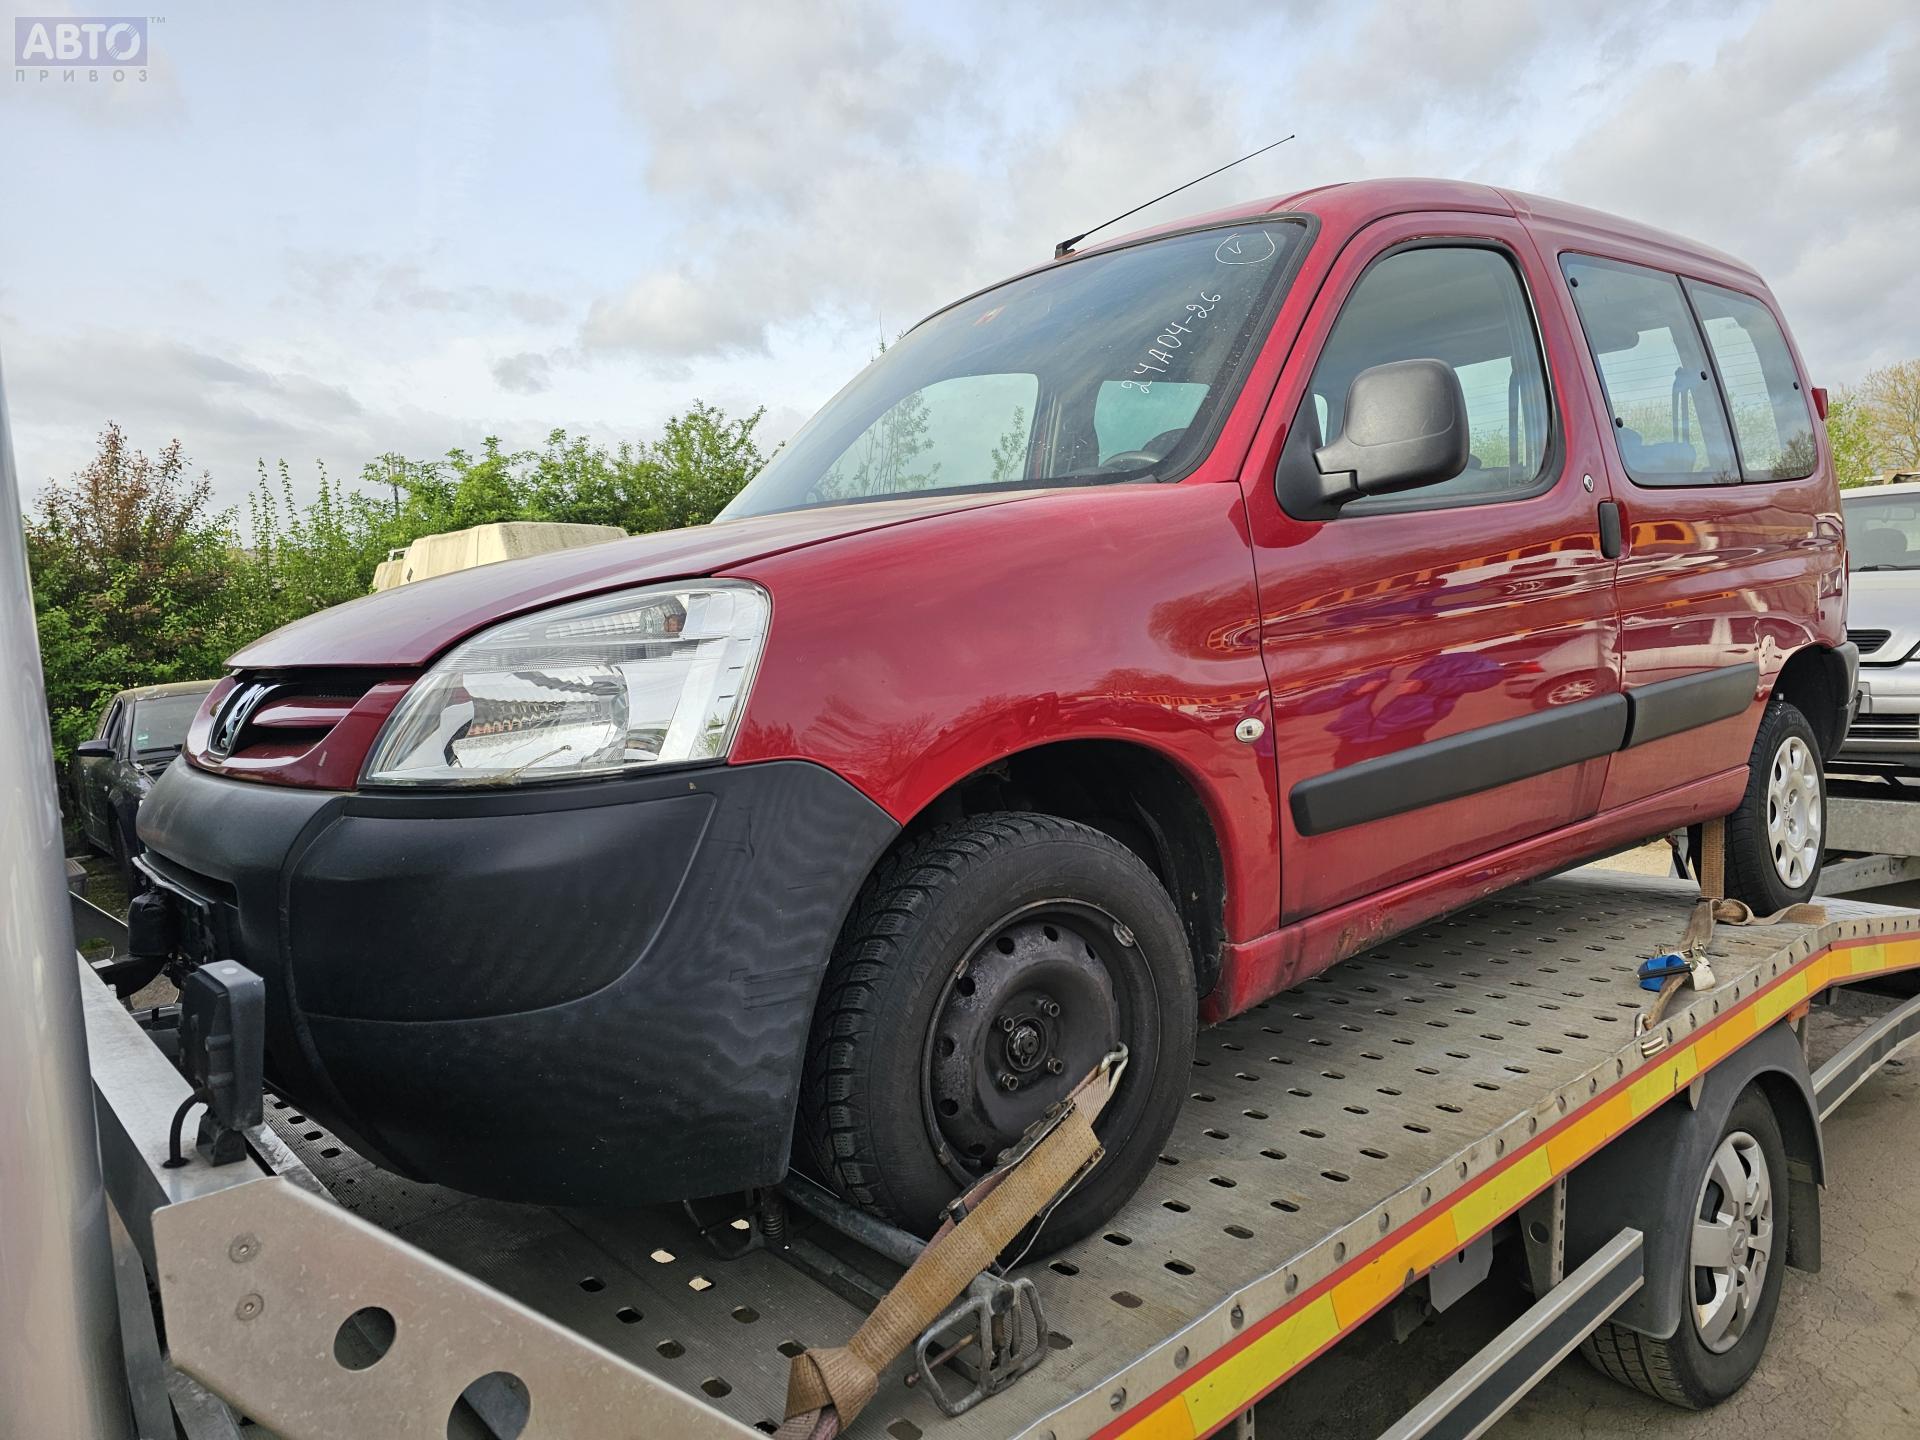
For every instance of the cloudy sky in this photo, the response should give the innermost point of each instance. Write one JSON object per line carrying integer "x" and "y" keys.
{"x": 321, "y": 232}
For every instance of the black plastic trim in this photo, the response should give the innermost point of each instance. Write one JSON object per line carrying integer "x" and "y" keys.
{"x": 1495, "y": 755}
{"x": 1613, "y": 542}
{"x": 1669, "y": 706}
{"x": 586, "y": 994}
{"x": 1462, "y": 764}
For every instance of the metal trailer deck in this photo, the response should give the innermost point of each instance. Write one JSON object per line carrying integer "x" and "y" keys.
{"x": 1342, "y": 1142}
{"x": 1876, "y": 824}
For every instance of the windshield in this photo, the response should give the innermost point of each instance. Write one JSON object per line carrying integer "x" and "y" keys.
{"x": 1113, "y": 367}
{"x": 161, "y": 723}
{"x": 1883, "y": 531}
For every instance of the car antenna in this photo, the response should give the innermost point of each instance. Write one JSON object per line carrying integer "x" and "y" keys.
{"x": 1065, "y": 247}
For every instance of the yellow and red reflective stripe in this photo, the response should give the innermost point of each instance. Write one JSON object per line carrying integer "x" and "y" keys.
{"x": 1219, "y": 1386}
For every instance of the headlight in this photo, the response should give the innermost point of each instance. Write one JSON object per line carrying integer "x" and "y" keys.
{"x": 645, "y": 677}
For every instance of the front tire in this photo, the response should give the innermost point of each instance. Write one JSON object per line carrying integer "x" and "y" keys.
{"x": 1730, "y": 1283}
{"x": 986, "y": 968}
{"x": 1776, "y": 838}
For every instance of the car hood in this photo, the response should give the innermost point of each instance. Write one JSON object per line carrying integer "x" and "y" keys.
{"x": 1883, "y": 597}
{"x": 1884, "y": 600}
{"x": 411, "y": 624}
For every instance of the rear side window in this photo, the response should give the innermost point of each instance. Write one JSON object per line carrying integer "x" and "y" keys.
{"x": 1665, "y": 408}
{"x": 1463, "y": 305}
{"x": 1771, "y": 422}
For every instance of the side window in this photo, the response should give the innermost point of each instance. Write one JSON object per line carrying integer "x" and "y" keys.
{"x": 110, "y": 723}
{"x": 1771, "y": 423}
{"x": 1667, "y": 419}
{"x": 1462, "y": 304}
{"x": 968, "y": 430}
{"x": 1126, "y": 417}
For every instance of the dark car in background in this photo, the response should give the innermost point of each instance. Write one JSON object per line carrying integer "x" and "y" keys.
{"x": 139, "y": 734}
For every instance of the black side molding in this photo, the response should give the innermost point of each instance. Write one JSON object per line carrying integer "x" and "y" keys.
{"x": 1463, "y": 764}
{"x": 1669, "y": 706}
{"x": 1496, "y": 755}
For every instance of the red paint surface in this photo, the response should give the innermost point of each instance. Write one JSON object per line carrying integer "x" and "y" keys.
{"x": 915, "y": 641}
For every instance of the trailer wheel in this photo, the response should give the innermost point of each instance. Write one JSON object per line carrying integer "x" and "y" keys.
{"x": 986, "y": 968}
{"x": 1776, "y": 838}
{"x": 1730, "y": 1284}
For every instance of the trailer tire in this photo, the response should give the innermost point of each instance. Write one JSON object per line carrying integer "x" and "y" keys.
{"x": 1782, "y": 816}
{"x": 1005, "y": 946}
{"x": 1684, "y": 1369}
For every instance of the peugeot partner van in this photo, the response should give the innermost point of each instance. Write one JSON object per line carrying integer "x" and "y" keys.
{"x": 1135, "y": 639}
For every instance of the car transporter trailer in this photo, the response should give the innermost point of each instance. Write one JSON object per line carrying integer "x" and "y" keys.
{"x": 1363, "y": 1137}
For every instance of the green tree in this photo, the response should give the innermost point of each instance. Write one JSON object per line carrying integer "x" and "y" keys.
{"x": 304, "y": 557}
{"x": 576, "y": 481}
{"x": 699, "y": 463}
{"x": 1849, "y": 432}
{"x": 1890, "y": 396}
{"x": 487, "y": 488}
{"x": 132, "y": 575}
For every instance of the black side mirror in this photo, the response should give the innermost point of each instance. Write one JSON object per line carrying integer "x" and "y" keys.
{"x": 1406, "y": 426}
{"x": 94, "y": 749}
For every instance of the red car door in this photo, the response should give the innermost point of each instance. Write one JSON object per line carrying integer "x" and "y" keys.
{"x": 1442, "y": 665}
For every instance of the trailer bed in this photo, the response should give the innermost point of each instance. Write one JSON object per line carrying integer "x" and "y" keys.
{"x": 1340, "y": 1140}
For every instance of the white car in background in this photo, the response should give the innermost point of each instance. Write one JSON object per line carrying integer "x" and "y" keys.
{"x": 1883, "y": 619}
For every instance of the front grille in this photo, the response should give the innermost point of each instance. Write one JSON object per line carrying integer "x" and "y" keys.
{"x": 292, "y": 715}
{"x": 1869, "y": 641}
{"x": 1883, "y": 728}
{"x": 294, "y": 727}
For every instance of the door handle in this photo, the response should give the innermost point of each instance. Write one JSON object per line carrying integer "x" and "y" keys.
{"x": 1612, "y": 537}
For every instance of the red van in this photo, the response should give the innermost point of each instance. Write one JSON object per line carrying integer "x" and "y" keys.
{"x": 1133, "y": 640}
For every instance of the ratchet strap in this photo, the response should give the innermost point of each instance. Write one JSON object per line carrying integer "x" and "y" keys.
{"x": 1688, "y": 965}
{"x": 827, "y": 1388}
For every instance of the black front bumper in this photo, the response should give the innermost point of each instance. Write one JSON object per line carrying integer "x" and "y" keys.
{"x": 582, "y": 994}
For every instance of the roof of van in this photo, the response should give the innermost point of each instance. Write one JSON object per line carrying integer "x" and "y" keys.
{"x": 1354, "y": 203}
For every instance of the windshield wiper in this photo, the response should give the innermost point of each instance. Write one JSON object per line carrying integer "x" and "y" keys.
{"x": 1862, "y": 569}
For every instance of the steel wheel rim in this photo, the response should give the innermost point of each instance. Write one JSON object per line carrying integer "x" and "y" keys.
{"x": 1105, "y": 941}
{"x": 1794, "y": 818}
{"x": 1732, "y": 1242}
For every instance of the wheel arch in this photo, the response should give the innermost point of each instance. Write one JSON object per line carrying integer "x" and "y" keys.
{"x": 1649, "y": 1175}
{"x": 1136, "y": 794}
{"x": 1819, "y": 683}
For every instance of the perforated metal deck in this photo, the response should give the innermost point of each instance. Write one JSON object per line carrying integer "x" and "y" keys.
{"x": 1323, "y": 1120}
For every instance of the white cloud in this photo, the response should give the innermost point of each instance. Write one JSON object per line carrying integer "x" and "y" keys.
{"x": 528, "y": 373}
{"x": 1791, "y": 145}
{"x": 594, "y": 221}
{"x": 361, "y": 281}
